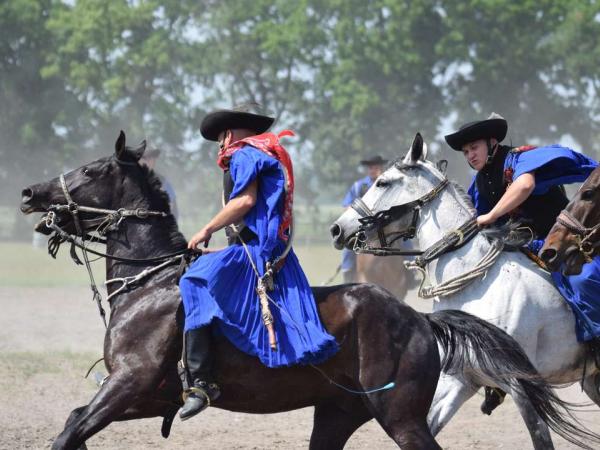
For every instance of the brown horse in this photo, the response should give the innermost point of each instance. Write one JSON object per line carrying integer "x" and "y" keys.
{"x": 387, "y": 367}
{"x": 574, "y": 239}
{"x": 383, "y": 271}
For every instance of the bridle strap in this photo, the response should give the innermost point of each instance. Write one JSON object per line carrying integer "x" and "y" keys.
{"x": 110, "y": 220}
{"x": 567, "y": 220}
{"x": 582, "y": 234}
{"x": 379, "y": 220}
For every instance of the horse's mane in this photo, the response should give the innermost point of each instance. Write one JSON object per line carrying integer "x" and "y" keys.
{"x": 464, "y": 196}
{"x": 159, "y": 198}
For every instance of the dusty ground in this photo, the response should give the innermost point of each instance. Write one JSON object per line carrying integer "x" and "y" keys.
{"x": 49, "y": 336}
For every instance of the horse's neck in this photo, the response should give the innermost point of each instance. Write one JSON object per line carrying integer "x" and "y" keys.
{"x": 141, "y": 239}
{"x": 447, "y": 213}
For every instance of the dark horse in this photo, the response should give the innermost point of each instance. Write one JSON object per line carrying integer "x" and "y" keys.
{"x": 575, "y": 237}
{"x": 381, "y": 340}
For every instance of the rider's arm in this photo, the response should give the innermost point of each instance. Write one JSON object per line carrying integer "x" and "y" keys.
{"x": 514, "y": 196}
{"x": 231, "y": 213}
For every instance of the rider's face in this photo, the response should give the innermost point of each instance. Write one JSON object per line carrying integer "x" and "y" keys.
{"x": 224, "y": 139}
{"x": 476, "y": 154}
{"x": 374, "y": 170}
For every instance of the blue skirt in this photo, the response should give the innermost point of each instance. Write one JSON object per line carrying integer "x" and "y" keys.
{"x": 220, "y": 289}
{"x": 582, "y": 292}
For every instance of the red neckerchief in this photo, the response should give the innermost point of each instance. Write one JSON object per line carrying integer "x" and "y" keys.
{"x": 268, "y": 143}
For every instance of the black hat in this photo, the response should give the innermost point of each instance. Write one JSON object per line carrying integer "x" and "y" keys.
{"x": 494, "y": 126}
{"x": 245, "y": 116}
{"x": 373, "y": 161}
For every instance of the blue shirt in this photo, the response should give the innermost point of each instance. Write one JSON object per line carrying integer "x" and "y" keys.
{"x": 357, "y": 190}
{"x": 552, "y": 165}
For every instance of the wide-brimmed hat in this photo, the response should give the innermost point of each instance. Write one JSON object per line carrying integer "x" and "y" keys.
{"x": 494, "y": 126}
{"x": 246, "y": 116}
{"x": 376, "y": 160}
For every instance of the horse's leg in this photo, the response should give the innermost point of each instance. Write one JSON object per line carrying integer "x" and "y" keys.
{"x": 538, "y": 430}
{"x": 113, "y": 398}
{"x": 450, "y": 395}
{"x": 152, "y": 408}
{"x": 333, "y": 425}
{"x": 402, "y": 411}
{"x": 591, "y": 386}
{"x": 72, "y": 417}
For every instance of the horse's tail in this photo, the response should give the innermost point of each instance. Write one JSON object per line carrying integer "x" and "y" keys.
{"x": 469, "y": 341}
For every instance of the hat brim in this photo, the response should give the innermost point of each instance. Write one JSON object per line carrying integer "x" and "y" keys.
{"x": 485, "y": 129}
{"x": 373, "y": 162}
{"x": 217, "y": 122}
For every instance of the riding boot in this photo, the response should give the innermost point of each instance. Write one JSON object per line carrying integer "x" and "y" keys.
{"x": 493, "y": 398}
{"x": 200, "y": 388}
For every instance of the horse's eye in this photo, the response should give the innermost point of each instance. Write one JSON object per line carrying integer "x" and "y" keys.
{"x": 382, "y": 183}
{"x": 588, "y": 194}
{"x": 86, "y": 171}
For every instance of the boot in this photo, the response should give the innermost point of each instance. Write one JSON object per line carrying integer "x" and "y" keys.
{"x": 200, "y": 388}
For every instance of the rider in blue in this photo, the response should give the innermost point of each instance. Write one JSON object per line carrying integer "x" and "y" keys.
{"x": 219, "y": 290}
{"x": 374, "y": 167}
{"x": 526, "y": 183}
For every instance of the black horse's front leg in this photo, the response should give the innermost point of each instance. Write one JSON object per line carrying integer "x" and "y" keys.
{"x": 111, "y": 401}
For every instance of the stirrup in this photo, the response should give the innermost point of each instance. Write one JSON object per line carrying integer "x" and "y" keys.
{"x": 198, "y": 391}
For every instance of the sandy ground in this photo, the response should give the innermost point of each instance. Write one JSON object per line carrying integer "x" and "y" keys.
{"x": 50, "y": 336}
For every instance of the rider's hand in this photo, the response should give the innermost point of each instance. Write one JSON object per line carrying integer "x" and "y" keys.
{"x": 202, "y": 236}
{"x": 485, "y": 219}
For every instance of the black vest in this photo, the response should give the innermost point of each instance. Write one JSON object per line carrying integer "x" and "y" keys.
{"x": 538, "y": 211}
{"x": 244, "y": 232}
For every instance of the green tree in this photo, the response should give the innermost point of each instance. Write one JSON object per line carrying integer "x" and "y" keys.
{"x": 499, "y": 56}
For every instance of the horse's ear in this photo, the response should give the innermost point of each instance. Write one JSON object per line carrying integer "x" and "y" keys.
{"x": 138, "y": 152}
{"x": 418, "y": 150}
{"x": 120, "y": 144}
{"x": 442, "y": 165}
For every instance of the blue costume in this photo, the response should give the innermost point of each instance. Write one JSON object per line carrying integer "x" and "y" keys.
{"x": 219, "y": 288}
{"x": 553, "y": 166}
{"x": 357, "y": 190}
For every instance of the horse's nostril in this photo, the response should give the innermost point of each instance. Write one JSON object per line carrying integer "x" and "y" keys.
{"x": 548, "y": 255}
{"x": 26, "y": 195}
{"x": 335, "y": 231}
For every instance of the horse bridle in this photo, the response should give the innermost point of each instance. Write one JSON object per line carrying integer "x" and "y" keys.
{"x": 370, "y": 220}
{"x": 582, "y": 233}
{"x": 108, "y": 221}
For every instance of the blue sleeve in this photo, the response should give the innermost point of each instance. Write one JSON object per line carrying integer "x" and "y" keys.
{"x": 350, "y": 196}
{"x": 246, "y": 164}
{"x": 481, "y": 205}
{"x": 553, "y": 165}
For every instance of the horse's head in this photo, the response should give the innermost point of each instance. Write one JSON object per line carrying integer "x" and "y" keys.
{"x": 100, "y": 184}
{"x": 406, "y": 180}
{"x": 574, "y": 238}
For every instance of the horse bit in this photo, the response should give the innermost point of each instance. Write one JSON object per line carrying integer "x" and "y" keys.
{"x": 582, "y": 233}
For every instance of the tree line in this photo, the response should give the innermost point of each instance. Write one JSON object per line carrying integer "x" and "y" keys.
{"x": 351, "y": 77}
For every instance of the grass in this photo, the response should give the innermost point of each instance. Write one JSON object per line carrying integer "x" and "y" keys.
{"x": 29, "y": 364}
{"x": 22, "y": 265}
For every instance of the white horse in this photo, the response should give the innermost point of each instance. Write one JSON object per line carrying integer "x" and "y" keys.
{"x": 514, "y": 294}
